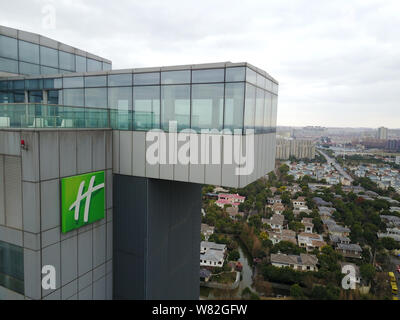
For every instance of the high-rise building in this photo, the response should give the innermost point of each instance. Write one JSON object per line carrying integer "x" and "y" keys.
{"x": 101, "y": 170}
{"x": 300, "y": 149}
{"x": 382, "y": 133}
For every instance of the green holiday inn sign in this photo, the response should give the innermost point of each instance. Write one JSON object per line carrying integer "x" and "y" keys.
{"x": 82, "y": 200}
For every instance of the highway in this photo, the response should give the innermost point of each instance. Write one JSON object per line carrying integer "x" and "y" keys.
{"x": 336, "y": 165}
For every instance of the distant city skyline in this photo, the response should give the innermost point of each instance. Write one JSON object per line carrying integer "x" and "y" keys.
{"x": 336, "y": 61}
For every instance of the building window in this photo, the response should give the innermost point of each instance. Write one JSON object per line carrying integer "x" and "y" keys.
{"x": 8, "y": 47}
{"x": 120, "y": 98}
{"x": 211, "y": 75}
{"x": 120, "y": 80}
{"x": 96, "y": 98}
{"x": 96, "y": 81}
{"x": 67, "y": 61}
{"x": 175, "y": 77}
{"x": 175, "y": 106}
{"x": 207, "y": 106}
{"x": 80, "y": 64}
{"x": 146, "y": 78}
{"x": 94, "y": 65}
{"x": 49, "y": 57}
{"x": 12, "y": 267}
{"x": 235, "y": 74}
{"x": 146, "y": 108}
{"x": 28, "y": 52}
{"x": 234, "y": 104}
{"x": 250, "y": 107}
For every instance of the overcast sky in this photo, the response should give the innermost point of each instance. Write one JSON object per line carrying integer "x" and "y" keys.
{"x": 337, "y": 62}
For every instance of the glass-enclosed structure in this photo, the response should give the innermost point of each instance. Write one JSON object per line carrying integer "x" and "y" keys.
{"x": 226, "y": 96}
{"x": 30, "y": 54}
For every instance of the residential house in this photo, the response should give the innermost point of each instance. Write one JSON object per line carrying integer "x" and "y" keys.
{"x": 284, "y": 235}
{"x": 303, "y": 262}
{"x": 308, "y": 225}
{"x": 299, "y": 202}
{"x": 278, "y": 208}
{"x": 320, "y": 202}
{"x": 393, "y": 233}
{"x": 337, "y": 230}
{"x": 205, "y": 275}
{"x": 276, "y": 199}
{"x": 276, "y": 222}
{"x": 207, "y": 230}
{"x": 233, "y": 200}
{"x": 234, "y": 213}
{"x": 310, "y": 241}
{"x": 298, "y": 210}
{"x": 339, "y": 239}
{"x": 212, "y": 254}
{"x": 349, "y": 250}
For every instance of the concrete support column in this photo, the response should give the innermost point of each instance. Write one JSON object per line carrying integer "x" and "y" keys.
{"x": 156, "y": 239}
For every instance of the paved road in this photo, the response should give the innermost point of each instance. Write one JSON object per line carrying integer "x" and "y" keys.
{"x": 337, "y": 166}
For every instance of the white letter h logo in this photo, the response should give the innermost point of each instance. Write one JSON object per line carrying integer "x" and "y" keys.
{"x": 88, "y": 196}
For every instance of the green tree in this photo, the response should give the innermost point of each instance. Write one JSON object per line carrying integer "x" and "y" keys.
{"x": 367, "y": 272}
{"x": 234, "y": 255}
{"x": 296, "y": 291}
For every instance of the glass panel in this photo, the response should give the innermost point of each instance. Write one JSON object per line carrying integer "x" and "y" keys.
{"x": 28, "y": 52}
{"x": 8, "y": 47}
{"x": 120, "y": 98}
{"x": 274, "y": 111}
{"x": 235, "y": 74}
{"x": 19, "y": 96}
{"x": 12, "y": 267}
{"x": 175, "y": 77}
{"x": 49, "y": 57}
{"x": 251, "y": 76}
{"x": 33, "y": 84}
{"x": 48, "y": 70}
{"x": 67, "y": 61}
{"x": 5, "y": 85}
{"x": 73, "y": 97}
{"x": 260, "y": 81}
{"x": 75, "y": 82}
{"x": 146, "y": 78}
{"x": 54, "y": 97}
{"x": 8, "y": 65}
{"x": 269, "y": 85}
{"x": 96, "y": 118}
{"x": 6, "y": 97}
{"x": 106, "y": 66}
{"x": 52, "y": 83}
{"x": 29, "y": 69}
{"x": 267, "y": 111}
{"x": 212, "y": 75}
{"x": 175, "y": 106}
{"x": 96, "y": 98}
{"x": 259, "y": 118}
{"x": 120, "y": 80}
{"x": 98, "y": 81}
{"x": 35, "y": 97}
{"x": 18, "y": 85}
{"x": 207, "y": 106}
{"x": 146, "y": 108}
{"x": 80, "y": 63}
{"x": 250, "y": 106}
{"x": 93, "y": 65}
{"x": 234, "y": 104}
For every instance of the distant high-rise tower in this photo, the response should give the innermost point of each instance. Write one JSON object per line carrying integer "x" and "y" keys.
{"x": 382, "y": 133}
